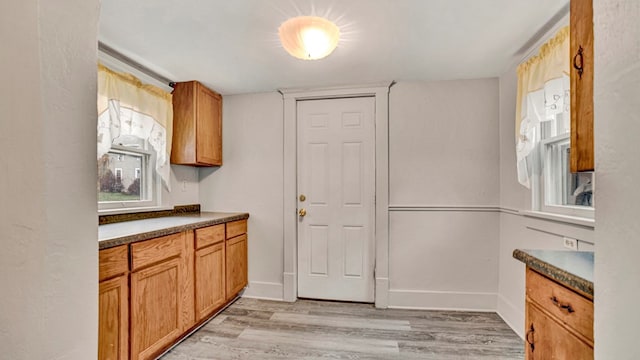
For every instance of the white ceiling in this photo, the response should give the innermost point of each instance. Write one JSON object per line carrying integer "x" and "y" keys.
{"x": 232, "y": 45}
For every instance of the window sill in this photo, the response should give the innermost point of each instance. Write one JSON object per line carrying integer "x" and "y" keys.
{"x": 573, "y": 220}
{"x": 133, "y": 210}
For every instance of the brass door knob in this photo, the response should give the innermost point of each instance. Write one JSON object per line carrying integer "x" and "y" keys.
{"x": 302, "y": 212}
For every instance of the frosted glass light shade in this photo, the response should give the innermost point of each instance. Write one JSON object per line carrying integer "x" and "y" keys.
{"x": 309, "y": 37}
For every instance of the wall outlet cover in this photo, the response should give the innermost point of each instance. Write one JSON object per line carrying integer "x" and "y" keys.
{"x": 570, "y": 243}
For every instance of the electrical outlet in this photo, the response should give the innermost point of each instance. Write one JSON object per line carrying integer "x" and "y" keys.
{"x": 184, "y": 185}
{"x": 570, "y": 243}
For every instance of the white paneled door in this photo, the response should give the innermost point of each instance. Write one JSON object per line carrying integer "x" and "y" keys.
{"x": 336, "y": 189}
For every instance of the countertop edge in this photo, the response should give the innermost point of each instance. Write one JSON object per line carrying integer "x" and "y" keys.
{"x": 563, "y": 277}
{"x": 129, "y": 239}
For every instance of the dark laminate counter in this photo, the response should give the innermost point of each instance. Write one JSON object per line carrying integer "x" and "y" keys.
{"x": 127, "y": 232}
{"x": 573, "y": 269}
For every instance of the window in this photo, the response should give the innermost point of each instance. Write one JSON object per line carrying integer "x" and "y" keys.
{"x": 543, "y": 118}
{"x": 560, "y": 191}
{"x": 133, "y": 141}
{"x": 126, "y": 176}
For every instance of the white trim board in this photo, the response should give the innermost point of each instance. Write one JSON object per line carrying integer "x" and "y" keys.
{"x": 512, "y": 315}
{"x": 442, "y": 300}
{"x": 264, "y": 290}
{"x": 291, "y": 97}
{"x": 480, "y": 208}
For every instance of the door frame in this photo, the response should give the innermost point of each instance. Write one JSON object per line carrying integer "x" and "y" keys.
{"x": 381, "y": 142}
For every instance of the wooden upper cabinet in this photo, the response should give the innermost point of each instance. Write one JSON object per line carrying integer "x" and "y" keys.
{"x": 581, "y": 28}
{"x": 197, "y": 125}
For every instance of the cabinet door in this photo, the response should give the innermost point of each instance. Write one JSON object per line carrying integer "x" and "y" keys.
{"x": 208, "y": 127}
{"x": 236, "y": 265}
{"x": 546, "y": 339}
{"x": 113, "y": 319}
{"x": 210, "y": 280}
{"x": 156, "y": 308}
{"x": 581, "y": 18}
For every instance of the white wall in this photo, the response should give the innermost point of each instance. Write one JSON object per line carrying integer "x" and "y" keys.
{"x": 517, "y": 231}
{"x": 47, "y": 145}
{"x": 444, "y": 189}
{"x": 251, "y": 180}
{"x": 185, "y": 186}
{"x": 617, "y": 129}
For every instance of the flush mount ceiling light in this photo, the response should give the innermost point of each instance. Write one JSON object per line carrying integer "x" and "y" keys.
{"x": 309, "y": 37}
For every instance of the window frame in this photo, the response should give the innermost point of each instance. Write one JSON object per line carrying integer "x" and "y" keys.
{"x": 549, "y": 168}
{"x": 151, "y": 187}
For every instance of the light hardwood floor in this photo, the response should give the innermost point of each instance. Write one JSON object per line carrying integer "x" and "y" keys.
{"x": 309, "y": 329}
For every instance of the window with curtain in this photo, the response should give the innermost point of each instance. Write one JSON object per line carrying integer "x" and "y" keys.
{"x": 543, "y": 118}
{"x": 134, "y": 141}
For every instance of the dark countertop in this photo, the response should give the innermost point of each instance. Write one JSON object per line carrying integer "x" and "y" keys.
{"x": 573, "y": 269}
{"x": 111, "y": 235}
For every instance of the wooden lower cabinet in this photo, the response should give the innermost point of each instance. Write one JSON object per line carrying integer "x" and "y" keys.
{"x": 153, "y": 292}
{"x": 113, "y": 303}
{"x": 547, "y": 339}
{"x": 161, "y": 293}
{"x": 236, "y": 249}
{"x": 558, "y": 321}
{"x": 155, "y": 308}
{"x": 209, "y": 280}
{"x": 113, "y": 319}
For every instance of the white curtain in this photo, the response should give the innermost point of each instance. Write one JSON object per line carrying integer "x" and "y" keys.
{"x": 543, "y": 95}
{"x": 127, "y": 107}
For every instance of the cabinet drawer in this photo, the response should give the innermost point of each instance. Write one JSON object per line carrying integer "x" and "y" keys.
{"x": 236, "y": 228}
{"x": 567, "y": 306}
{"x": 112, "y": 262}
{"x": 209, "y": 235}
{"x": 152, "y": 251}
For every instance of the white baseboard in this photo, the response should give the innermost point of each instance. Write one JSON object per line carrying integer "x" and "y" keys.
{"x": 512, "y": 315}
{"x": 264, "y": 290}
{"x": 382, "y": 293}
{"x": 442, "y": 300}
{"x": 290, "y": 293}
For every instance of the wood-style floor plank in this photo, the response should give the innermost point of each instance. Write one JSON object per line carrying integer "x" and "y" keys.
{"x": 308, "y": 329}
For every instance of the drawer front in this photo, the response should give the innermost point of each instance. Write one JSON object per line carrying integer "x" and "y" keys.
{"x": 112, "y": 262}
{"x": 149, "y": 252}
{"x": 570, "y": 308}
{"x": 209, "y": 235}
{"x": 236, "y": 228}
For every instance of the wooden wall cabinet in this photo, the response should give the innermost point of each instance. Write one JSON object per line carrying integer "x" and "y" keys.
{"x": 210, "y": 279}
{"x": 113, "y": 304}
{"x": 581, "y": 29}
{"x": 559, "y": 321}
{"x": 236, "y": 249}
{"x": 197, "y": 125}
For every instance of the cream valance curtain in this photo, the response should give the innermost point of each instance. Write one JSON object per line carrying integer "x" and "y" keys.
{"x": 543, "y": 95}
{"x": 128, "y": 107}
